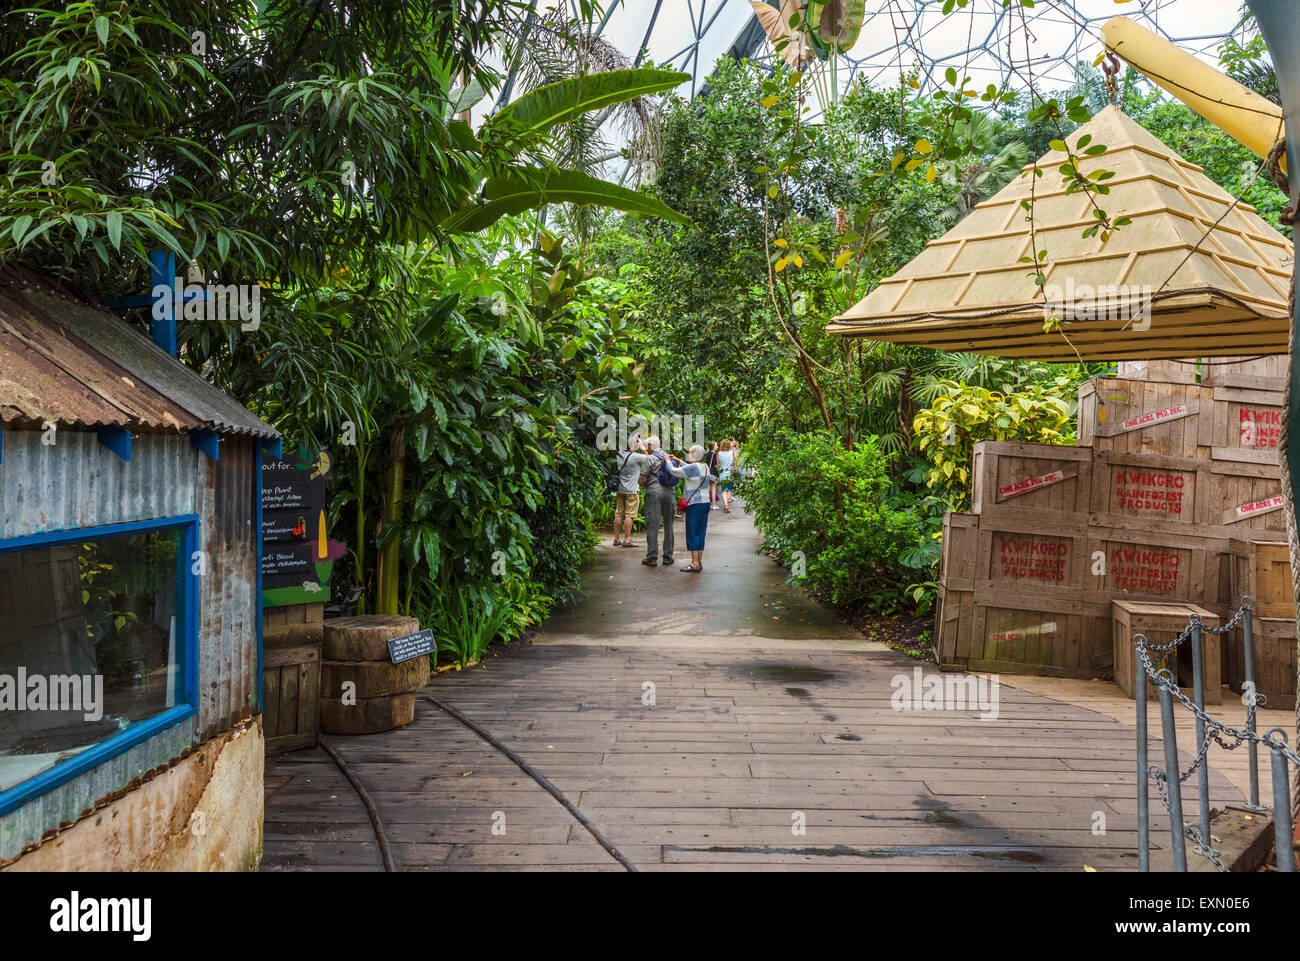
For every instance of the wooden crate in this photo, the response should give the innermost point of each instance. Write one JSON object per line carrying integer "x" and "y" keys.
{"x": 1262, "y": 570}
{"x": 1160, "y": 371}
{"x": 1059, "y": 639}
{"x": 953, "y": 614}
{"x": 1160, "y": 624}
{"x": 1126, "y": 563}
{"x": 1247, "y": 425}
{"x": 1030, "y": 477}
{"x": 1243, "y": 499}
{"x": 1275, "y": 660}
{"x": 291, "y": 697}
{"x": 1023, "y": 559}
{"x": 1145, "y": 417}
{"x": 1260, "y": 373}
{"x": 1157, "y": 492}
{"x": 957, "y": 550}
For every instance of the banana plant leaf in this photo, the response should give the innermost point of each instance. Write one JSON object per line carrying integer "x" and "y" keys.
{"x": 518, "y": 190}
{"x": 531, "y": 117}
{"x": 838, "y": 22}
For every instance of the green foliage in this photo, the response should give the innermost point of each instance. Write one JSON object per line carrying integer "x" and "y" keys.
{"x": 466, "y": 622}
{"x": 946, "y": 431}
{"x": 518, "y": 190}
{"x": 836, "y": 512}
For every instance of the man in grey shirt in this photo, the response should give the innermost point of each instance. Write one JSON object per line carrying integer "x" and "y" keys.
{"x": 660, "y": 505}
{"x": 631, "y": 465}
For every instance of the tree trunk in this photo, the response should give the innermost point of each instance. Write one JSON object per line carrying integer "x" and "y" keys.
{"x": 388, "y": 579}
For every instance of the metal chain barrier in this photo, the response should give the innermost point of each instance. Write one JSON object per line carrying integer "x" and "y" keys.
{"x": 1209, "y": 731}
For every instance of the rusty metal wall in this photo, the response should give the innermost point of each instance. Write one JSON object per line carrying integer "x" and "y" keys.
{"x": 227, "y": 617}
{"x": 79, "y": 483}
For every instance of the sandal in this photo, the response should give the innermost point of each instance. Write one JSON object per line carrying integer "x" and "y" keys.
{"x": 691, "y": 569}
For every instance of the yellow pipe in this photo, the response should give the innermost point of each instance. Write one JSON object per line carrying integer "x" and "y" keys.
{"x": 1239, "y": 112}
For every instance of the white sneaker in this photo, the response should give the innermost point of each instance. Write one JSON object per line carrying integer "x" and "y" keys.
{"x": 716, "y": 507}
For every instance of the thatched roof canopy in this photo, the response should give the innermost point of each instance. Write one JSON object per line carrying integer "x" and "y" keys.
{"x": 1216, "y": 278}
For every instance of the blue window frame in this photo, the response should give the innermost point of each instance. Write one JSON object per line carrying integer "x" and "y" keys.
{"x": 177, "y": 680}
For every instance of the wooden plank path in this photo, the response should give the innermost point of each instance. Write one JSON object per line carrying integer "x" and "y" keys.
{"x": 751, "y": 735}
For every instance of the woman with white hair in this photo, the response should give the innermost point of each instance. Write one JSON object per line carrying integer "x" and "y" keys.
{"x": 696, "y": 503}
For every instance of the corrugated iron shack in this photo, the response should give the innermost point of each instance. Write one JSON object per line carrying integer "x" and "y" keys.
{"x": 130, "y": 735}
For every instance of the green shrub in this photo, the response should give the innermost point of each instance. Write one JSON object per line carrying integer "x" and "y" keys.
{"x": 835, "y": 514}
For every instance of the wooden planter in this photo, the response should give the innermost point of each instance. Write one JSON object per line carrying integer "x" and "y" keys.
{"x": 290, "y": 697}
{"x": 362, "y": 691}
{"x": 1161, "y": 623}
{"x": 1275, "y": 660}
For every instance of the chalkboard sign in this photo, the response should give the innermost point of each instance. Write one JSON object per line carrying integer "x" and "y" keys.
{"x": 410, "y": 645}
{"x": 297, "y": 554}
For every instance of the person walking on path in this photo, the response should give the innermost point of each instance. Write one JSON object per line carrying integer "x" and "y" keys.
{"x": 696, "y": 500}
{"x": 726, "y": 471}
{"x": 712, "y": 462}
{"x": 632, "y": 465}
{"x": 660, "y": 504}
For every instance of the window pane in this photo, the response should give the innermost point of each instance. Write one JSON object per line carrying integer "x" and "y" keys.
{"x": 89, "y": 634}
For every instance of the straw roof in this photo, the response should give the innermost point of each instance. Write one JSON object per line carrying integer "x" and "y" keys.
{"x": 1216, "y": 277}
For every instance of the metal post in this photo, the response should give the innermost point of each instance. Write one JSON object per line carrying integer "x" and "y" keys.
{"x": 1203, "y": 772}
{"x": 1140, "y": 693}
{"x": 1282, "y": 832}
{"x": 1248, "y": 648}
{"x": 1171, "y": 779}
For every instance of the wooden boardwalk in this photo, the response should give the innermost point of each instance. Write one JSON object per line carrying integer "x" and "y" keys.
{"x": 760, "y": 752}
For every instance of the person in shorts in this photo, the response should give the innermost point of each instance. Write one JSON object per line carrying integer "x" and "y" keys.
{"x": 632, "y": 464}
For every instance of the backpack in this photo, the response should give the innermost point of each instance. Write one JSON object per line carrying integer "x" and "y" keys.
{"x": 663, "y": 474}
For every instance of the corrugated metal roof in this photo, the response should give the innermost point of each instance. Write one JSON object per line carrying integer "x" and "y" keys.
{"x": 65, "y": 359}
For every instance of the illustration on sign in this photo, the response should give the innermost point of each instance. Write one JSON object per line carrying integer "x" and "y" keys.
{"x": 297, "y": 553}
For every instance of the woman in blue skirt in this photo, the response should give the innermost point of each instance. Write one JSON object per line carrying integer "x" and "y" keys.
{"x": 696, "y": 473}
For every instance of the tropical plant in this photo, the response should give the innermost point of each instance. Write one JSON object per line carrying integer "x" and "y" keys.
{"x": 834, "y": 515}
{"x": 465, "y": 624}
{"x": 946, "y": 431}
